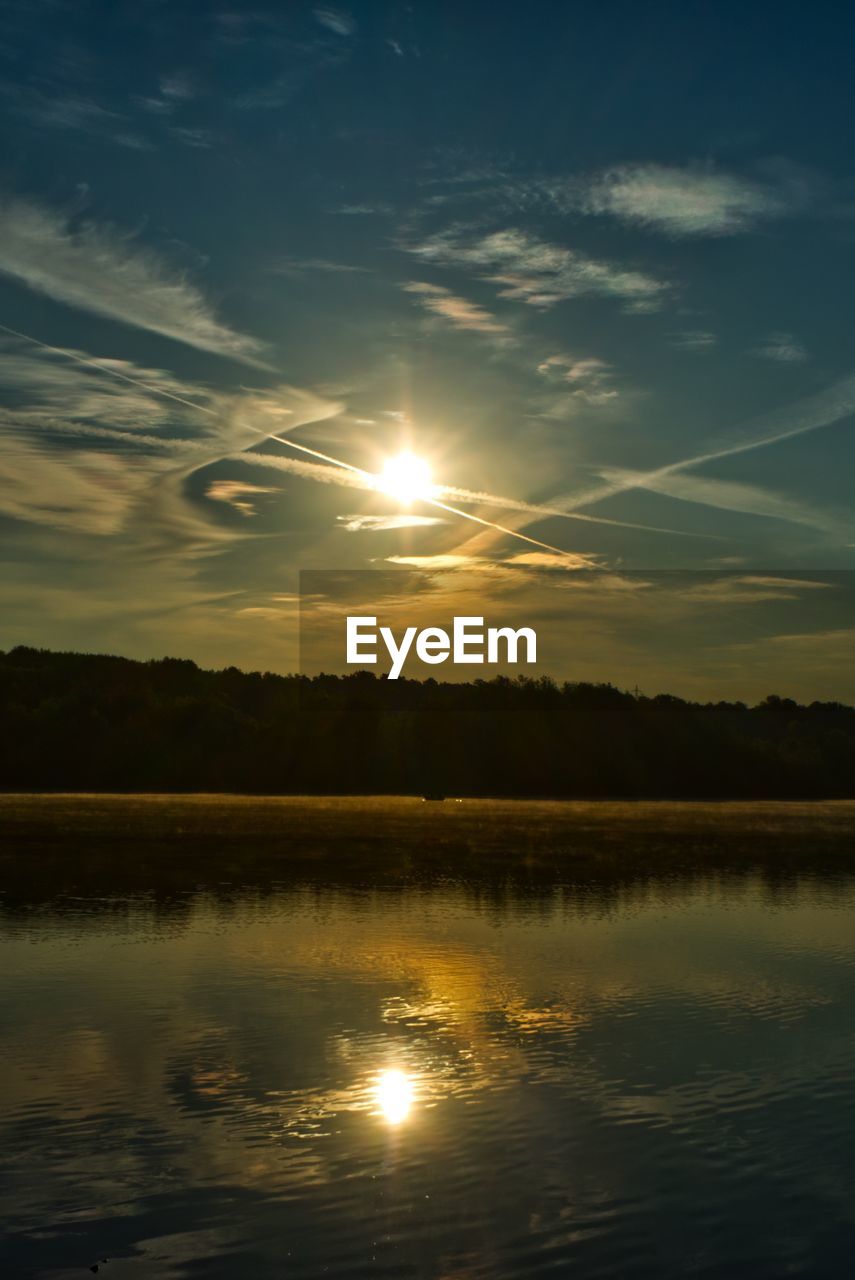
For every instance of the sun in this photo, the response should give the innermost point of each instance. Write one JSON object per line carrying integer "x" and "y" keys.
{"x": 406, "y": 478}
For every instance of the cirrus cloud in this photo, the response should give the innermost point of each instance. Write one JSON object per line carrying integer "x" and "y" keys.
{"x": 459, "y": 312}
{"x": 538, "y": 273}
{"x": 97, "y": 269}
{"x": 781, "y": 347}
{"x": 688, "y": 201}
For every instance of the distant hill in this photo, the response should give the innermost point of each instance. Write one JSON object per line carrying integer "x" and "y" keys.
{"x": 91, "y": 722}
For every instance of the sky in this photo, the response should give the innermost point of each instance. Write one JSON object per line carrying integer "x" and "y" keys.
{"x": 590, "y": 262}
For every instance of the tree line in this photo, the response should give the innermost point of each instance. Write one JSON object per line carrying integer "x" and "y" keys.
{"x": 93, "y": 722}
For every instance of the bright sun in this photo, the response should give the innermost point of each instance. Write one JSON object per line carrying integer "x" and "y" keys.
{"x": 394, "y": 1093}
{"x": 406, "y": 478}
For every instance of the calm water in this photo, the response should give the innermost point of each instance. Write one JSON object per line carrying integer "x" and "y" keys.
{"x": 431, "y": 1080}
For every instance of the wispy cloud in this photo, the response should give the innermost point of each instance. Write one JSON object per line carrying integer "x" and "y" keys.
{"x": 200, "y": 139}
{"x": 746, "y": 589}
{"x": 237, "y": 494}
{"x": 438, "y": 561}
{"x": 693, "y": 340}
{"x": 81, "y": 452}
{"x": 72, "y": 112}
{"x": 85, "y": 491}
{"x": 367, "y": 209}
{"x": 299, "y": 266}
{"x": 335, "y": 20}
{"x": 693, "y": 201}
{"x": 97, "y": 269}
{"x": 546, "y": 560}
{"x": 783, "y": 348}
{"x": 836, "y": 642}
{"x": 457, "y": 311}
{"x": 538, "y": 273}
{"x": 376, "y": 524}
{"x": 52, "y": 389}
{"x": 298, "y": 62}
{"x": 589, "y": 378}
{"x": 173, "y": 90}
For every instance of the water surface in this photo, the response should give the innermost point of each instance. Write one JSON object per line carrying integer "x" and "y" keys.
{"x": 466, "y": 1074}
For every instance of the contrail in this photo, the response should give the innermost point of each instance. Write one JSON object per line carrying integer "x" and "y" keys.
{"x": 433, "y": 502}
{"x": 540, "y": 509}
{"x": 105, "y": 368}
{"x": 461, "y": 494}
{"x": 291, "y": 444}
{"x": 489, "y": 524}
{"x": 325, "y": 457}
{"x": 811, "y": 413}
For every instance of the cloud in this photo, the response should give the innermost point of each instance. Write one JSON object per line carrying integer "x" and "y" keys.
{"x": 37, "y": 385}
{"x": 541, "y": 274}
{"x": 336, "y": 20}
{"x": 173, "y": 90}
{"x": 782, "y": 347}
{"x": 457, "y": 311}
{"x": 778, "y": 580}
{"x": 72, "y": 113}
{"x": 81, "y": 451}
{"x": 589, "y": 377}
{"x": 82, "y": 490}
{"x": 693, "y": 340}
{"x": 747, "y": 589}
{"x": 679, "y": 201}
{"x": 837, "y": 640}
{"x": 177, "y": 87}
{"x": 96, "y": 269}
{"x": 691, "y": 201}
{"x": 201, "y": 139}
{"x": 546, "y": 560}
{"x": 374, "y": 524}
{"x": 439, "y": 561}
{"x": 297, "y": 266}
{"x": 380, "y": 208}
{"x": 236, "y": 494}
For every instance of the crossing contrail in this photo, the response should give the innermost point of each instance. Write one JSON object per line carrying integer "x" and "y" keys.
{"x": 461, "y": 495}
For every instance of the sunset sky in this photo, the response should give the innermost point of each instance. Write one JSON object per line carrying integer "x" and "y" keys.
{"x": 591, "y": 262}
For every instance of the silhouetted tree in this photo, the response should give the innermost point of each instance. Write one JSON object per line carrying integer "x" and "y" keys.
{"x": 91, "y": 722}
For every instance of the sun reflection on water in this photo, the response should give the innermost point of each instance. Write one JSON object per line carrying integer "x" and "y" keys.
{"x": 394, "y": 1095}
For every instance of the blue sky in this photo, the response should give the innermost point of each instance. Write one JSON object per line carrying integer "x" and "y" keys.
{"x": 591, "y": 262}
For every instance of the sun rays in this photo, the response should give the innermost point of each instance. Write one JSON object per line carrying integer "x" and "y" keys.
{"x": 405, "y": 478}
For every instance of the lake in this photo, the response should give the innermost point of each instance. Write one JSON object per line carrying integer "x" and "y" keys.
{"x": 251, "y": 1037}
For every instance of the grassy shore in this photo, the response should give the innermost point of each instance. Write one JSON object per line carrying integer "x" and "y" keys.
{"x": 141, "y": 841}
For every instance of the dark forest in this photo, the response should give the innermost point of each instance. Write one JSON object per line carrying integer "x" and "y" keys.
{"x": 98, "y": 723}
